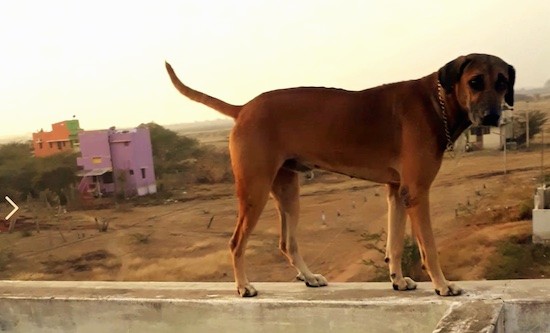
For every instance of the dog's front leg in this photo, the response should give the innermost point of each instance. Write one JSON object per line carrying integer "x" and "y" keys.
{"x": 418, "y": 209}
{"x": 396, "y": 234}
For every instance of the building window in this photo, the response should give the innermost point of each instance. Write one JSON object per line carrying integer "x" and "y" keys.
{"x": 143, "y": 173}
{"x": 40, "y": 145}
{"x": 64, "y": 143}
{"x": 131, "y": 172}
{"x": 58, "y": 145}
{"x": 96, "y": 160}
{"x": 126, "y": 144}
{"x": 51, "y": 144}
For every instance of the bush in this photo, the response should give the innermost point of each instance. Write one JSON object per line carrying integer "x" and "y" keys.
{"x": 170, "y": 150}
{"x": 526, "y": 209}
{"x": 537, "y": 119}
{"x": 212, "y": 166}
{"x": 22, "y": 174}
{"x": 6, "y": 256}
{"x": 185, "y": 157}
{"x": 140, "y": 238}
{"x": 517, "y": 259}
{"x": 411, "y": 261}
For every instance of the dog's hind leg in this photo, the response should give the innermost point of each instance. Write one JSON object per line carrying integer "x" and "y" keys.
{"x": 397, "y": 219}
{"x": 286, "y": 191}
{"x": 253, "y": 182}
{"x": 250, "y": 208}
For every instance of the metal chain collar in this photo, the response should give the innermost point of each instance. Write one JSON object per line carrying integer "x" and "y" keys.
{"x": 450, "y": 147}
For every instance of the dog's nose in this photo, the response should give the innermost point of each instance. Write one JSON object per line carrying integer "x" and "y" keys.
{"x": 491, "y": 119}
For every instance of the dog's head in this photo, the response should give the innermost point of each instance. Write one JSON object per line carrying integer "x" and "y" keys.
{"x": 480, "y": 83}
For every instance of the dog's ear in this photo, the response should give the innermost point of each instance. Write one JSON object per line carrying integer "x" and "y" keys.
{"x": 509, "y": 97}
{"x": 451, "y": 72}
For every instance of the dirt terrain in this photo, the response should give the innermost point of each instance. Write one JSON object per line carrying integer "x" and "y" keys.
{"x": 474, "y": 207}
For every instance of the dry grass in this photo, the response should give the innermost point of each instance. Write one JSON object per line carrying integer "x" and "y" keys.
{"x": 183, "y": 248}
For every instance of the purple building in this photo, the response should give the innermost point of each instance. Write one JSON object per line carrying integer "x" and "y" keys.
{"x": 116, "y": 161}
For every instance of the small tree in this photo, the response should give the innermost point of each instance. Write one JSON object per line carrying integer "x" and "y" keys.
{"x": 537, "y": 119}
{"x": 170, "y": 149}
{"x": 121, "y": 183}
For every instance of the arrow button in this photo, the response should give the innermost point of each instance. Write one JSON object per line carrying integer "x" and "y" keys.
{"x": 15, "y": 208}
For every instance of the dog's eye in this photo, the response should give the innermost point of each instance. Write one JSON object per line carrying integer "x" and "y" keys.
{"x": 501, "y": 84}
{"x": 476, "y": 83}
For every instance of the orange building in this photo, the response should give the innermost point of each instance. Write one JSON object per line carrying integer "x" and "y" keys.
{"x": 63, "y": 137}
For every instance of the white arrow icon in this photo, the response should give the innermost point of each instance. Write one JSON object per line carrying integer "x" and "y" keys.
{"x": 15, "y": 208}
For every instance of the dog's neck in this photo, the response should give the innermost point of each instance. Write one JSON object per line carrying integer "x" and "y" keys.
{"x": 454, "y": 119}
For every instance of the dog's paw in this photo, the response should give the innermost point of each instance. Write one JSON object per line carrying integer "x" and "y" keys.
{"x": 404, "y": 284}
{"x": 317, "y": 280}
{"x": 247, "y": 291}
{"x": 449, "y": 290}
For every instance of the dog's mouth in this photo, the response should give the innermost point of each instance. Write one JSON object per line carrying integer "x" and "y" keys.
{"x": 490, "y": 120}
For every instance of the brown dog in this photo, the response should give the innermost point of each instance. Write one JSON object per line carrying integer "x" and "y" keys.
{"x": 394, "y": 134}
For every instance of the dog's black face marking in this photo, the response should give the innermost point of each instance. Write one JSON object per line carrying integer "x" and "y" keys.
{"x": 491, "y": 119}
{"x": 481, "y": 84}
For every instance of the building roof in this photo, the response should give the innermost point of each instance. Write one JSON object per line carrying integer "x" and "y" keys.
{"x": 94, "y": 172}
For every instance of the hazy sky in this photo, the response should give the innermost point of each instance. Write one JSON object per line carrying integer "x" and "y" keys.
{"x": 103, "y": 61}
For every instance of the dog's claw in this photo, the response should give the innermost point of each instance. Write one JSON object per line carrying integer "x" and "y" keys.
{"x": 316, "y": 281}
{"x": 405, "y": 284}
{"x": 247, "y": 291}
{"x": 450, "y": 290}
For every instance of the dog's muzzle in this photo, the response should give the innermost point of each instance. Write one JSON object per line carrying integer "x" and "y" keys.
{"x": 491, "y": 119}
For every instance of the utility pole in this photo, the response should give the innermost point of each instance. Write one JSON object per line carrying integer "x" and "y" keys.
{"x": 542, "y": 160}
{"x": 504, "y": 130}
{"x": 527, "y": 127}
{"x": 505, "y": 167}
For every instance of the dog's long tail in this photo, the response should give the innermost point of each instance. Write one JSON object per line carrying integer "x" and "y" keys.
{"x": 216, "y": 104}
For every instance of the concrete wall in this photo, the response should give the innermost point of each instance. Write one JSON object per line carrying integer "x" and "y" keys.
{"x": 486, "y": 306}
{"x": 94, "y": 148}
{"x": 541, "y": 225}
